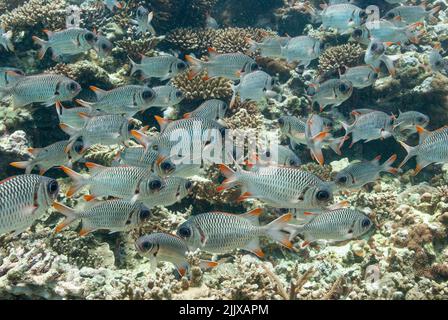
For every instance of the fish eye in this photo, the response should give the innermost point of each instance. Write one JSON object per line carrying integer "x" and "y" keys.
{"x": 272, "y": 82}
{"x": 292, "y": 162}
{"x": 144, "y": 214}
{"x": 73, "y": 86}
{"x": 147, "y": 94}
{"x": 89, "y": 36}
{"x": 131, "y": 126}
{"x": 181, "y": 65}
{"x": 188, "y": 185}
{"x": 421, "y": 119}
{"x": 323, "y": 195}
{"x": 184, "y": 232}
{"x": 141, "y": 11}
{"x": 438, "y": 63}
{"x": 363, "y": 14}
{"x": 253, "y": 67}
{"x": 155, "y": 185}
{"x": 179, "y": 94}
{"x": 167, "y": 166}
{"x": 104, "y": 46}
{"x": 365, "y": 223}
{"x": 342, "y": 179}
{"x": 78, "y": 147}
{"x": 281, "y": 122}
{"x": 267, "y": 154}
{"x": 374, "y": 46}
{"x": 390, "y": 15}
{"x": 53, "y": 187}
{"x": 146, "y": 245}
{"x": 343, "y": 87}
{"x": 357, "y": 33}
{"x": 375, "y": 75}
{"x": 155, "y": 147}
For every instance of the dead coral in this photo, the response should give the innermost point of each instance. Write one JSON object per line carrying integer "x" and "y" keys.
{"x": 332, "y": 59}
{"x": 35, "y": 15}
{"x": 200, "y": 88}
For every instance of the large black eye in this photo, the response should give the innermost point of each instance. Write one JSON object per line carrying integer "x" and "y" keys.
{"x": 292, "y": 163}
{"x": 179, "y": 94}
{"x": 146, "y": 245}
{"x": 184, "y": 232}
{"x": 343, "y": 87}
{"x": 104, "y": 46}
{"x": 254, "y": 67}
{"x": 365, "y": 223}
{"x": 357, "y": 33}
{"x": 267, "y": 154}
{"x": 53, "y": 187}
{"x": 78, "y": 146}
{"x": 323, "y": 195}
{"x": 181, "y": 65}
{"x": 281, "y": 122}
{"x": 342, "y": 179}
{"x": 89, "y": 36}
{"x": 363, "y": 14}
{"x": 390, "y": 15}
{"x": 147, "y": 94}
{"x": 188, "y": 185}
{"x": 374, "y": 46}
{"x": 155, "y": 185}
{"x": 167, "y": 166}
{"x": 155, "y": 147}
{"x": 375, "y": 75}
{"x": 272, "y": 82}
{"x": 73, "y": 86}
{"x": 144, "y": 214}
{"x": 131, "y": 126}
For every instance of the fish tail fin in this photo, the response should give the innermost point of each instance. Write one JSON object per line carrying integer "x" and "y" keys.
{"x": 348, "y": 129}
{"x": 43, "y": 46}
{"x": 196, "y": 65}
{"x": 293, "y": 230}
{"x": 275, "y": 230}
{"x": 252, "y": 45}
{"x": 150, "y": 27}
{"x": 431, "y": 14}
{"x": 231, "y": 178}
{"x": 79, "y": 180}
{"x": 27, "y": 165}
{"x": 409, "y": 150}
{"x": 69, "y": 213}
{"x": 387, "y": 165}
{"x": 134, "y": 66}
{"x": 8, "y": 38}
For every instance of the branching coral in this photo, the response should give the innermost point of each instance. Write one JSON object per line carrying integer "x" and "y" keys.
{"x": 332, "y": 59}
{"x": 11, "y": 118}
{"x": 191, "y": 40}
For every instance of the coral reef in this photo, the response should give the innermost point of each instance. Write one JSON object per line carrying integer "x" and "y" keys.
{"x": 334, "y": 58}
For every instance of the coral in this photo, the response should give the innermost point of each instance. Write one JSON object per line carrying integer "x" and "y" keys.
{"x": 245, "y": 116}
{"x": 324, "y": 172}
{"x": 191, "y": 40}
{"x": 103, "y": 155}
{"x": 135, "y": 47}
{"x": 200, "y": 89}
{"x": 13, "y": 147}
{"x": 36, "y": 15}
{"x": 11, "y": 118}
{"x": 333, "y": 58}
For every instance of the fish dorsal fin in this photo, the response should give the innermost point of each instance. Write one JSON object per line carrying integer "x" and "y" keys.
{"x": 212, "y": 52}
{"x": 48, "y": 33}
{"x": 84, "y": 116}
{"x": 422, "y": 133}
{"x": 163, "y": 123}
{"x": 100, "y": 93}
{"x": 253, "y": 216}
{"x": 34, "y": 151}
{"x": 94, "y": 168}
{"x": 376, "y": 160}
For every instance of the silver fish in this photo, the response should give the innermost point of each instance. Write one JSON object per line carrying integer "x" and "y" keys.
{"x": 67, "y": 42}
{"x": 6, "y": 40}
{"x": 211, "y": 22}
{"x": 51, "y": 156}
{"x": 163, "y": 67}
{"x": 253, "y": 86}
{"x": 71, "y": 116}
{"x": 406, "y": 122}
{"x": 211, "y": 109}
{"x": 143, "y": 21}
{"x": 42, "y": 88}
{"x": 294, "y": 129}
{"x": 175, "y": 189}
{"x": 280, "y": 155}
{"x": 103, "y": 46}
{"x": 411, "y": 14}
{"x": 432, "y": 148}
{"x": 120, "y": 182}
{"x": 336, "y": 225}
{"x": 175, "y": 167}
{"x": 111, "y": 4}
{"x": 360, "y": 76}
{"x": 302, "y": 49}
{"x": 270, "y": 46}
{"x": 278, "y": 186}
{"x": 436, "y": 61}
{"x": 227, "y": 65}
{"x": 221, "y": 232}
{"x": 24, "y": 199}
{"x": 167, "y": 247}
{"x": 128, "y": 99}
{"x": 343, "y": 17}
{"x": 136, "y": 157}
{"x": 358, "y": 174}
{"x": 369, "y": 126}
{"x": 166, "y": 96}
{"x": 375, "y": 54}
{"x": 385, "y": 31}
{"x": 332, "y": 92}
{"x": 113, "y": 215}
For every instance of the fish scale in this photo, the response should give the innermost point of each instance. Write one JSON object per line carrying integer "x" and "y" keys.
{"x": 137, "y": 157}
{"x": 211, "y": 109}
{"x": 370, "y": 125}
{"x": 164, "y": 66}
{"x": 23, "y": 199}
{"x": 173, "y": 191}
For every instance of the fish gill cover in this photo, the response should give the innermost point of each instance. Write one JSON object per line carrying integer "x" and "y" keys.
{"x": 223, "y": 149}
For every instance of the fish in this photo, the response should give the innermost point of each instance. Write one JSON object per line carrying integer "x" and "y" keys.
{"x": 436, "y": 61}
{"x": 411, "y": 14}
{"x": 278, "y": 186}
{"x": 253, "y": 86}
{"x": 167, "y": 247}
{"x": 332, "y": 92}
{"x": 51, "y": 156}
{"x": 227, "y": 65}
{"x": 185, "y": 138}
{"x": 143, "y": 21}
{"x": 67, "y": 42}
{"x": 343, "y": 17}
{"x": 6, "y": 40}
{"x": 111, "y": 4}
{"x": 432, "y": 148}
{"x": 175, "y": 167}
{"x": 9, "y": 76}
{"x": 213, "y": 109}
{"x": 385, "y": 31}
{"x": 113, "y": 215}
{"x": 124, "y": 100}
{"x": 335, "y": 226}
{"x": 270, "y": 47}
{"x": 302, "y": 49}
{"x": 210, "y": 22}
{"x": 119, "y": 182}
{"x": 369, "y": 126}
{"x": 406, "y": 122}
{"x": 222, "y": 232}
{"x": 103, "y": 46}
{"x": 163, "y": 67}
{"x": 71, "y": 116}
{"x": 166, "y": 96}
{"x": 375, "y": 54}
{"x": 175, "y": 189}
{"x": 360, "y": 76}
{"x": 280, "y": 155}
{"x": 24, "y": 199}
{"x": 106, "y": 129}
{"x": 358, "y": 174}
{"x": 42, "y": 88}
{"x": 136, "y": 157}
{"x": 294, "y": 129}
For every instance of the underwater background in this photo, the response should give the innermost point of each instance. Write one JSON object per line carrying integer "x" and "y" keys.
{"x": 405, "y": 257}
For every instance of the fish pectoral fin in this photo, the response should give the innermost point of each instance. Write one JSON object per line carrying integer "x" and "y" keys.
{"x": 206, "y": 264}
{"x": 30, "y": 210}
{"x": 254, "y": 247}
{"x": 17, "y": 232}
